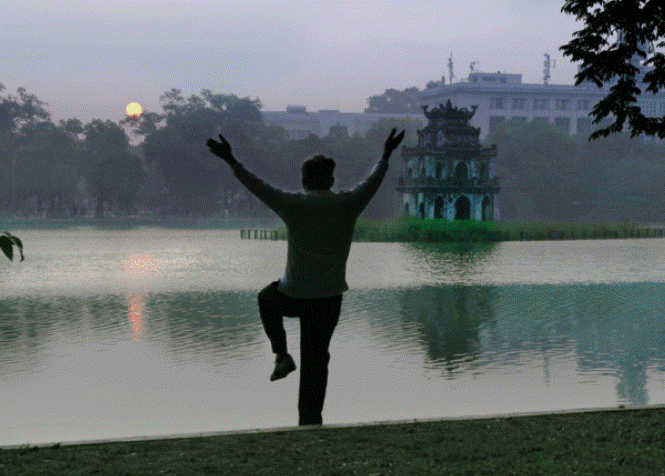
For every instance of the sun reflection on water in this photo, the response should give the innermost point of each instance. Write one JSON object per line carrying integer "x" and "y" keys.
{"x": 139, "y": 264}
{"x": 136, "y": 266}
{"x": 135, "y": 308}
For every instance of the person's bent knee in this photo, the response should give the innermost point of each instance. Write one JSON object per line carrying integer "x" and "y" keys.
{"x": 269, "y": 294}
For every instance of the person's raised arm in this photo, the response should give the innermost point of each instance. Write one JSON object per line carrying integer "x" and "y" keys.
{"x": 222, "y": 149}
{"x": 366, "y": 190}
{"x": 392, "y": 142}
{"x": 269, "y": 195}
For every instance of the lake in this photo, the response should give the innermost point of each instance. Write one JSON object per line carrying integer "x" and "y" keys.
{"x": 145, "y": 332}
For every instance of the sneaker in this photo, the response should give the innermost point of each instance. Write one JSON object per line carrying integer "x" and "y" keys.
{"x": 284, "y": 365}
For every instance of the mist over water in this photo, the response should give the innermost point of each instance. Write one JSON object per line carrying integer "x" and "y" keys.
{"x": 147, "y": 332}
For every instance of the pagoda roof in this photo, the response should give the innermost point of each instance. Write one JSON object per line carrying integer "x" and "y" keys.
{"x": 449, "y": 113}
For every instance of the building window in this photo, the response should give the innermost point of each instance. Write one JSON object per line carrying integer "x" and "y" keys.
{"x": 518, "y": 103}
{"x": 561, "y": 104}
{"x": 495, "y": 121}
{"x": 562, "y": 123}
{"x": 584, "y": 126}
{"x": 540, "y": 104}
{"x": 519, "y": 118}
{"x": 583, "y": 104}
{"x": 496, "y": 103}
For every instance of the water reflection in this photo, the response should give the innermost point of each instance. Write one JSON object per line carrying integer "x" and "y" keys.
{"x": 451, "y": 317}
{"x": 135, "y": 308}
{"x": 611, "y": 329}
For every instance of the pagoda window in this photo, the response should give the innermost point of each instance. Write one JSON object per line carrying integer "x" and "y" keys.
{"x": 461, "y": 172}
{"x": 484, "y": 171}
{"x": 438, "y": 207}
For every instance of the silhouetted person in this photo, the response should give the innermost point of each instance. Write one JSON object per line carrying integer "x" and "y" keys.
{"x": 320, "y": 228}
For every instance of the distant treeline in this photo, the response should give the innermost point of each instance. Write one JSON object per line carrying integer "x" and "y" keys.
{"x": 72, "y": 169}
{"x": 547, "y": 175}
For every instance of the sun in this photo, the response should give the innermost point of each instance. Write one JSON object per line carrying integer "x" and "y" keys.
{"x": 134, "y": 109}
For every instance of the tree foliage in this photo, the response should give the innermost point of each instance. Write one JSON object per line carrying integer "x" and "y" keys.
{"x": 21, "y": 111}
{"x": 7, "y": 243}
{"x": 44, "y": 162}
{"x": 394, "y": 101}
{"x": 620, "y": 40}
{"x": 174, "y": 141}
{"x": 547, "y": 175}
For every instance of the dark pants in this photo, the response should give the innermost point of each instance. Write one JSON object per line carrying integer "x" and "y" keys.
{"x": 318, "y": 318}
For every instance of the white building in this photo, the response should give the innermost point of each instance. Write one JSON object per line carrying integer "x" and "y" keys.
{"x": 299, "y": 123}
{"x": 501, "y": 96}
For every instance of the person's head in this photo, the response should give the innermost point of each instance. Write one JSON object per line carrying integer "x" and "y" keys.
{"x": 317, "y": 173}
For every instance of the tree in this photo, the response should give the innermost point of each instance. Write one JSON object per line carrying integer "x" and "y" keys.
{"x": 117, "y": 179}
{"x": 20, "y": 116}
{"x": 548, "y": 175}
{"x": 618, "y": 46}
{"x": 102, "y": 140}
{"x": 49, "y": 167}
{"x": 113, "y": 173}
{"x": 394, "y": 101}
{"x": 175, "y": 142}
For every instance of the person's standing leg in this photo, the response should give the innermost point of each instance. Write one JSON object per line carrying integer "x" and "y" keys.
{"x": 316, "y": 330}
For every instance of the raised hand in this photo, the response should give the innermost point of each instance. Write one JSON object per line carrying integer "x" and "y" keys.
{"x": 221, "y": 149}
{"x": 392, "y": 142}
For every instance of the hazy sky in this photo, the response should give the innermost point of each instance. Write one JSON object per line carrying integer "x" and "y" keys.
{"x": 88, "y": 59}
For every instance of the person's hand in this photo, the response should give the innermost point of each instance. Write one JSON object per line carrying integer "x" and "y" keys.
{"x": 392, "y": 142}
{"x": 221, "y": 149}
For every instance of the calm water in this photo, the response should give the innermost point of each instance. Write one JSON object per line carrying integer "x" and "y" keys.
{"x": 147, "y": 332}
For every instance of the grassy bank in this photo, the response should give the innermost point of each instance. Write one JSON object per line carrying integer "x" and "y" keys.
{"x": 618, "y": 442}
{"x": 414, "y": 229}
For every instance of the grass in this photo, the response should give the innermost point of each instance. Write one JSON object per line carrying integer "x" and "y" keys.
{"x": 617, "y": 442}
{"x": 414, "y": 229}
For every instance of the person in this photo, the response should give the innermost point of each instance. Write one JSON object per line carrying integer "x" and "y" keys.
{"x": 320, "y": 226}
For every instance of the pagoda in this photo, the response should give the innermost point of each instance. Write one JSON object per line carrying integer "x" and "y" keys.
{"x": 448, "y": 174}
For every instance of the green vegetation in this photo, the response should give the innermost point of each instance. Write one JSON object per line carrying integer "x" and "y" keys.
{"x": 610, "y": 58}
{"x": 548, "y": 176}
{"x": 414, "y": 229}
{"x": 623, "y": 442}
{"x": 7, "y": 243}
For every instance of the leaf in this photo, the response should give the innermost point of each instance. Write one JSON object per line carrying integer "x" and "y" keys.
{"x": 7, "y": 248}
{"x": 7, "y": 243}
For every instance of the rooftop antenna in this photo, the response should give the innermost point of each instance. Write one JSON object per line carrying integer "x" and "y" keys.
{"x": 547, "y": 69}
{"x": 450, "y": 67}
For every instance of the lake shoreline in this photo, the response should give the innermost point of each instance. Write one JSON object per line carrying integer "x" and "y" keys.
{"x": 610, "y": 441}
